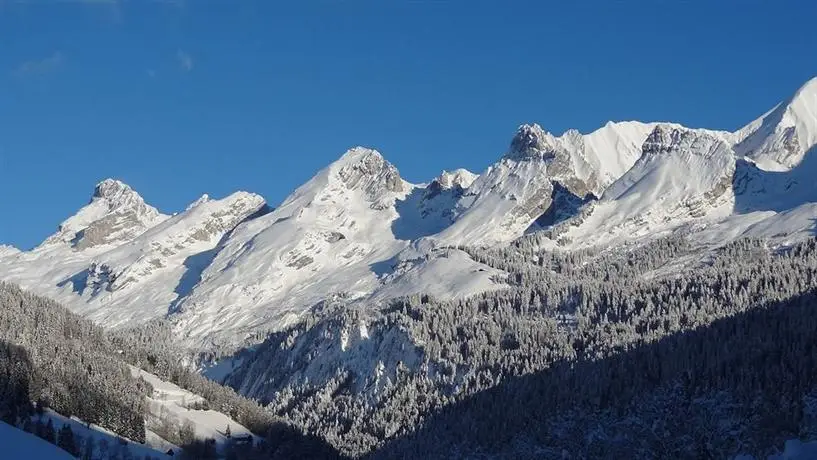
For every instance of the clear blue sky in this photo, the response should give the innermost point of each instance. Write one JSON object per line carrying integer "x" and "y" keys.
{"x": 187, "y": 97}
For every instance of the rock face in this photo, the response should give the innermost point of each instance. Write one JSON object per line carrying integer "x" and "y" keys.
{"x": 531, "y": 142}
{"x": 367, "y": 171}
{"x": 458, "y": 178}
{"x": 504, "y": 201}
{"x": 225, "y": 270}
{"x": 115, "y": 214}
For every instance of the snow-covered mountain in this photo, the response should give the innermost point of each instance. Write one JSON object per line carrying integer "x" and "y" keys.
{"x": 681, "y": 175}
{"x": 781, "y": 137}
{"x": 93, "y": 267}
{"x": 115, "y": 214}
{"x": 223, "y": 270}
{"x": 505, "y": 200}
{"x": 336, "y": 235}
{"x": 757, "y": 182}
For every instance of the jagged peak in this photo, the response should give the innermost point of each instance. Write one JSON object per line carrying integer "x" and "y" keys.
{"x": 662, "y": 139}
{"x": 366, "y": 168}
{"x": 116, "y": 194}
{"x": 115, "y": 209}
{"x": 672, "y": 138}
{"x": 459, "y": 177}
{"x": 573, "y": 135}
{"x": 532, "y": 142}
{"x": 111, "y": 188}
{"x": 359, "y": 153}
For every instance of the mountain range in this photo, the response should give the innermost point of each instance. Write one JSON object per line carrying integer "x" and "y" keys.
{"x": 226, "y": 271}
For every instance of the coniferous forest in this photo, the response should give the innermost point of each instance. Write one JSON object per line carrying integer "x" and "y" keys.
{"x": 659, "y": 350}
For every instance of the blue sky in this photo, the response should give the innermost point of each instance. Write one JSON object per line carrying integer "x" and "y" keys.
{"x": 180, "y": 98}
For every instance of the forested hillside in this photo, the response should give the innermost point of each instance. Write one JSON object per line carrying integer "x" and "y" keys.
{"x": 654, "y": 350}
{"x": 51, "y": 359}
{"x": 55, "y": 358}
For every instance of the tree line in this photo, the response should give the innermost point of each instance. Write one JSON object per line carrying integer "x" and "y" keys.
{"x": 423, "y": 356}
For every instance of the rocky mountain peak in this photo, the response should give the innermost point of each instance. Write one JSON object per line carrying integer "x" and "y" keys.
{"x": 114, "y": 214}
{"x": 366, "y": 169}
{"x": 112, "y": 188}
{"x": 461, "y": 178}
{"x": 662, "y": 139}
{"x": 531, "y": 142}
{"x": 666, "y": 138}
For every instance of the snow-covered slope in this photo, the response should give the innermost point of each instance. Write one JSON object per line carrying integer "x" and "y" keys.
{"x": 120, "y": 281}
{"x": 168, "y": 409}
{"x": 682, "y": 174}
{"x": 154, "y": 447}
{"x": 758, "y": 181}
{"x": 780, "y": 138}
{"x": 503, "y": 202}
{"x": 175, "y": 406}
{"x": 335, "y": 235}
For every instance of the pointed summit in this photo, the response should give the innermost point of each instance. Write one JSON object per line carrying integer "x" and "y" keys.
{"x": 780, "y": 139}
{"x": 115, "y": 213}
{"x": 532, "y": 142}
{"x": 661, "y": 139}
{"x": 366, "y": 169}
{"x": 110, "y": 188}
{"x": 116, "y": 194}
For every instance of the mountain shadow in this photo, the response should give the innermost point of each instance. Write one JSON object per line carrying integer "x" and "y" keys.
{"x": 16, "y": 374}
{"x": 742, "y": 384}
{"x": 79, "y": 281}
{"x": 197, "y": 263}
{"x": 564, "y": 205}
{"x": 282, "y": 442}
{"x": 425, "y": 211}
{"x": 759, "y": 190}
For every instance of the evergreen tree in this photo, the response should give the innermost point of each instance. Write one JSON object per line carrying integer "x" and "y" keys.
{"x": 48, "y": 432}
{"x": 66, "y": 440}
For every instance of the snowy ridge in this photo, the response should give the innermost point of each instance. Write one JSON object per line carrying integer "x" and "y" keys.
{"x": 780, "y": 139}
{"x": 136, "y": 280}
{"x": 224, "y": 270}
{"x": 8, "y": 250}
{"x": 683, "y": 174}
{"x": 503, "y": 202}
{"x": 290, "y": 258}
{"x": 757, "y": 181}
{"x": 460, "y": 177}
{"x": 336, "y": 234}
